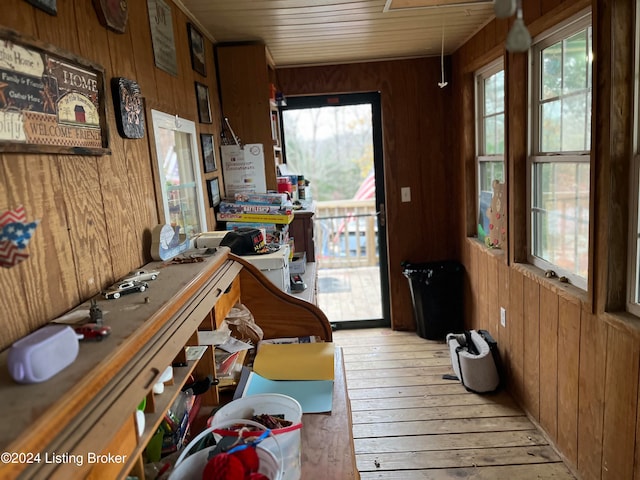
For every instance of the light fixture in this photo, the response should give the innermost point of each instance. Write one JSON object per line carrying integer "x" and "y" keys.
{"x": 504, "y": 8}
{"x": 519, "y": 39}
{"x": 442, "y": 83}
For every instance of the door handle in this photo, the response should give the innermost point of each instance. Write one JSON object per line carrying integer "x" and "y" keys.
{"x": 381, "y": 215}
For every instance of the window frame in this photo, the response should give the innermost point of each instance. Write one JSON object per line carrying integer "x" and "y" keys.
{"x": 633, "y": 287}
{"x": 480, "y": 75}
{"x": 560, "y": 32}
{"x": 165, "y": 121}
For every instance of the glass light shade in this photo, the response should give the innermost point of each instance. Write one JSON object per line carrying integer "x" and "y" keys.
{"x": 504, "y": 8}
{"x": 519, "y": 39}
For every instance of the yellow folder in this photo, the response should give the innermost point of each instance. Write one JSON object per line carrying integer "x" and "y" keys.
{"x": 297, "y": 361}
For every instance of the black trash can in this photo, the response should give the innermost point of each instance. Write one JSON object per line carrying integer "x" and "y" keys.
{"x": 437, "y": 291}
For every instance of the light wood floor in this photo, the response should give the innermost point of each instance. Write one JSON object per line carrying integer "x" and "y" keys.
{"x": 409, "y": 423}
{"x": 350, "y": 293}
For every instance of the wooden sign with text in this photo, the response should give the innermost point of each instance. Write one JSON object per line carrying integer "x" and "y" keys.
{"x": 50, "y": 101}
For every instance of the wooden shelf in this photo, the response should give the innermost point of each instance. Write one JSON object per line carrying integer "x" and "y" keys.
{"x": 162, "y": 404}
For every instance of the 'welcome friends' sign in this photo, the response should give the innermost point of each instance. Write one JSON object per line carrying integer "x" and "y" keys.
{"x": 49, "y": 101}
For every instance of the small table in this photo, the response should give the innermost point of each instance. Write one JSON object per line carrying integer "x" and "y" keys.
{"x": 327, "y": 438}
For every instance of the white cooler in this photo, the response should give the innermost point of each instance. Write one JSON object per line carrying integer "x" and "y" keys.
{"x": 209, "y": 239}
{"x": 275, "y": 266}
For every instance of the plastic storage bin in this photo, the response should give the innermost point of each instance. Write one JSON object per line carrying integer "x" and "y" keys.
{"x": 437, "y": 292}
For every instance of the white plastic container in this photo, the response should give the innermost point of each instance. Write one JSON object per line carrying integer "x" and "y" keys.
{"x": 191, "y": 467}
{"x": 272, "y": 404}
{"x": 274, "y": 266}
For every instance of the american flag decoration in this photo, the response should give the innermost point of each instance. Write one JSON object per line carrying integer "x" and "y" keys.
{"x": 15, "y": 233}
{"x": 367, "y": 188}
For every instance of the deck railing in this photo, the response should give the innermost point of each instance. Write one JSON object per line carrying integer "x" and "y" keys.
{"x": 346, "y": 233}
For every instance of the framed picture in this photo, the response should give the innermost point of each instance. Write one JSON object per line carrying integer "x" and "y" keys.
{"x": 213, "y": 186}
{"x": 204, "y": 109}
{"x": 196, "y": 46}
{"x": 208, "y": 152}
{"x": 41, "y": 109}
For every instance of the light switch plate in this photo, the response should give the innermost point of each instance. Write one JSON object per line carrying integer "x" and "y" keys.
{"x": 405, "y": 194}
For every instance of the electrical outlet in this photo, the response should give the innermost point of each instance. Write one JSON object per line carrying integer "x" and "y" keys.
{"x": 503, "y": 316}
{"x": 405, "y": 194}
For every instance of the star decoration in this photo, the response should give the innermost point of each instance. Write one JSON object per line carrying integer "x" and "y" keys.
{"x": 15, "y": 233}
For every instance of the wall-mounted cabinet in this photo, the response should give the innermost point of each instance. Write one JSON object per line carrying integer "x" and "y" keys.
{"x": 247, "y": 79}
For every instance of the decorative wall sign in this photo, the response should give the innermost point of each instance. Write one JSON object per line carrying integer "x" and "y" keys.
{"x": 15, "y": 233}
{"x": 164, "y": 44}
{"x": 196, "y": 45}
{"x": 48, "y": 6}
{"x": 112, "y": 14}
{"x": 204, "y": 108}
{"x": 50, "y": 101}
{"x": 213, "y": 186}
{"x": 128, "y": 105}
{"x": 208, "y": 152}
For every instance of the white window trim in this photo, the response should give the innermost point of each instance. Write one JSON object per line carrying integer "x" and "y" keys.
{"x": 576, "y": 23}
{"x": 634, "y": 251}
{"x": 479, "y": 77}
{"x": 173, "y": 122}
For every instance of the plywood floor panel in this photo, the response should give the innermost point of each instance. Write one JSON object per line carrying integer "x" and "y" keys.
{"x": 409, "y": 423}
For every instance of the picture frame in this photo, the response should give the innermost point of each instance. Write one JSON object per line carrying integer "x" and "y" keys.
{"x": 50, "y": 115}
{"x": 208, "y": 152}
{"x": 204, "y": 107}
{"x": 213, "y": 187}
{"x": 197, "y": 49}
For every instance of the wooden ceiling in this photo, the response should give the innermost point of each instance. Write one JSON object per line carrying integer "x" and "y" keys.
{"x": 316, "y": 32}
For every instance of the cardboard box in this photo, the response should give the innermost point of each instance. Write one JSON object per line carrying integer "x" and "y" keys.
{"x": 298, "y": 263}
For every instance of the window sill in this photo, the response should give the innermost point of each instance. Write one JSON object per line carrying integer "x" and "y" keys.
{"x": 623, "y": 321}
{"x": 496, "y": 252}
{"x": 567, "y": 291}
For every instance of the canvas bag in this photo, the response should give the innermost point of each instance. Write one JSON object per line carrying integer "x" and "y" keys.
{"x": 475, "y": 360}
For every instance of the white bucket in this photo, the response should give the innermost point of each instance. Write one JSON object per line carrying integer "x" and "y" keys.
{"x": 272, "y": 404}
{"x": 191, "y": 467}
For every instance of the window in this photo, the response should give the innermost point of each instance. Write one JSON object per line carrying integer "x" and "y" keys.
{"x": 560, "y": 147}
{"x": 490, "y": 134}
{"x": 179, "y": 170}
{"x": 633, "y": 304}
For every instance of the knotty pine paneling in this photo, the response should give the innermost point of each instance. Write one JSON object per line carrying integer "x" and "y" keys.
{"x": 515, "y": 316}
{"x": 416, "y": 155}
{"x": 568, "y": 369}
{"x": 492, "y": 295}
{"x": 531, "y": 348}
{"x": 593, "y": 342}
{"x": 620, "y": 405}
{"x": 96, "y": 212}
{"x": 503, "y": 302}
{"x": 549, "y": 361}
{"x": 483, "y": 301}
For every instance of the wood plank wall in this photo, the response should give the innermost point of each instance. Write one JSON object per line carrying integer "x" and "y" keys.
{"x": 416, "y": 138}
{"x": 96, "y": 213}
{"x": 572, "y": 358}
